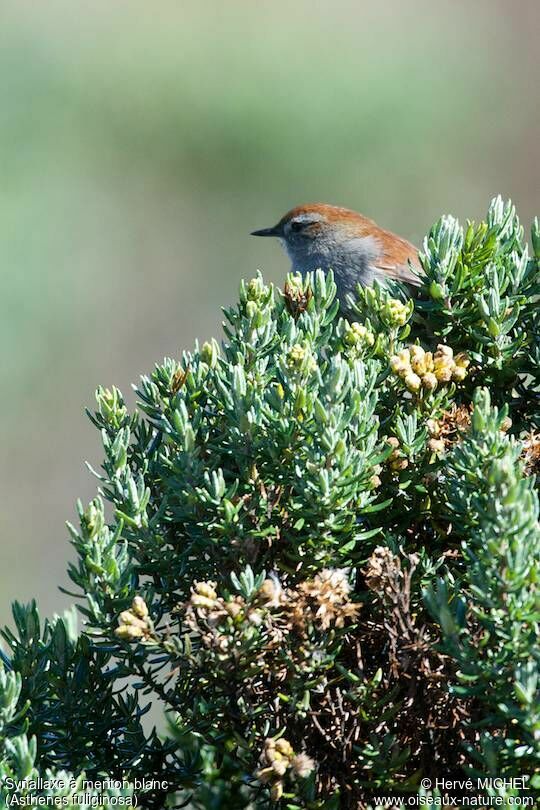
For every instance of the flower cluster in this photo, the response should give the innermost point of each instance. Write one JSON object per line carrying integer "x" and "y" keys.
{"x": 279, "y": 760}
{"x": 394, "y": 313}
{"x": 270, "y": 619}
{"x": 255, "y": 289}
{"x": 300, "y": 359}
{"x": 255, "y": 297}
{"x": 135, "y": 624}
{"x": 420, "y": 369}
{"x": 358, "y": 336}
{"x": 222, "y": 623}
{"x": 204, "y": 595}
{"x": 323, "y": 601}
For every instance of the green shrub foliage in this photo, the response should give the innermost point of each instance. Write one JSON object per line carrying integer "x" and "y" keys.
{"x": 315, "y": 546}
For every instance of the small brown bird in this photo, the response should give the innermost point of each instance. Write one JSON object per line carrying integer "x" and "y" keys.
{"x": 320, "y": 236}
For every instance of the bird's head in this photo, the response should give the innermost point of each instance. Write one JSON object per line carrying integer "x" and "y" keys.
{"x": 327, "y": 236}
{"x": 316, "y": 223}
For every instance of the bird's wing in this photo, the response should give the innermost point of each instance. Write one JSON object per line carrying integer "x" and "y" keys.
{"x": 401, "y": 272}
{"x": 398, "y": 259}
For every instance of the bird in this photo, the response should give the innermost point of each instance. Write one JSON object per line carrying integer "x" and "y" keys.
{"x": 325, "y": 237}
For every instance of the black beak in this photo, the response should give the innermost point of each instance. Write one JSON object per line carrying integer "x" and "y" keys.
{"x": 275, "y": 231}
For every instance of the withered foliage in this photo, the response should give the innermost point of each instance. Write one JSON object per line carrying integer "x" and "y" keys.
{"x": 267, "y": 643}
{"x": 178, "y": 380}
{"x": 452, "y": 424}
{"x": 297, "y": 298}
{"x": 531, "y": 453}
{"x": 402, "y": 697}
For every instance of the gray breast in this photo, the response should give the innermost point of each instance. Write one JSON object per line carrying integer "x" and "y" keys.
{"x": 351, "y": 260}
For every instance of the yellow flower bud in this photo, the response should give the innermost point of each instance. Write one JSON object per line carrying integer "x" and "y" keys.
{"x": 360, "y": 334}
{"x": 459, "y": 373}
{"x": 138, "y": 606}
{"x": 251, "y": 309}
{"x": 284, "y": 747}
{"x": 429, "y": 381}
{"x": 129, "y": 618}
{"x": 395, "y": 313}
{"x": 421, "y": 361}
{"x": 206, "y": 589}
{"x": 462, "y": 360}
{"x": 128, "y": 632}
{"x": 255, "y": 289}
{"x": 443, "y": 373}
{"x": 202, "y": 601}
{"x": 413, "y": 381}
{"x": 398, "y": 366}
{"x": 296, "y": 355}
{"x": 418, "y": 365}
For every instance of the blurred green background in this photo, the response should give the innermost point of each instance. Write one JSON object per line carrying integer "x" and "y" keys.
{"x": 141, "y": 142}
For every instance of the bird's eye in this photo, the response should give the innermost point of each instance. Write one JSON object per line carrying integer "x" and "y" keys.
{"x": 297, "y": 225}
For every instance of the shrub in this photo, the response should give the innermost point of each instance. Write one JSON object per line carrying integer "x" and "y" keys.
{"x": 315, "y": 546}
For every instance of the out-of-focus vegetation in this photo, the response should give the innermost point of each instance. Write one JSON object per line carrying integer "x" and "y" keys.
{"x": 140, "y": 144}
